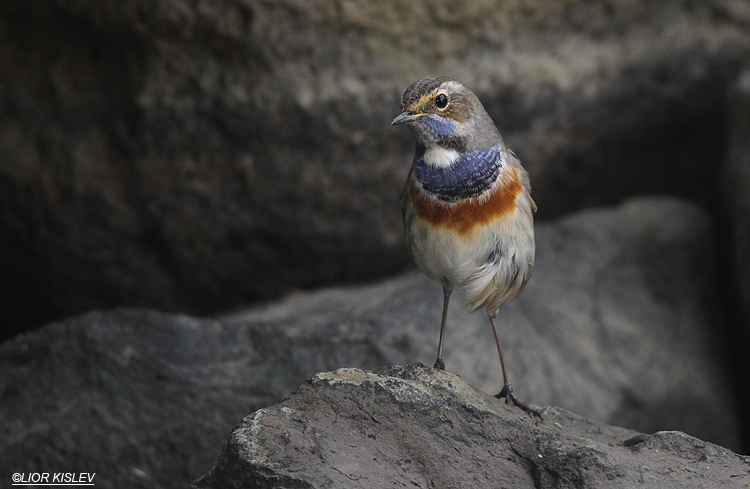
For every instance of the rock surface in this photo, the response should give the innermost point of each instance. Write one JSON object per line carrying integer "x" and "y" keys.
{"x": 617, "y": 324}
{"x": 734, "y": 225}
{"x": 159, "y": 154}
{"x": 737, "y": 188}
{"x": 412, "y": 426}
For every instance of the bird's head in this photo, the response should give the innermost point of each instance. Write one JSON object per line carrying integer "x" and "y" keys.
{"x": 441, "y": 111}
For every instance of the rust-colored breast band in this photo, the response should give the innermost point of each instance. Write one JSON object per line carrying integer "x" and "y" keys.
{"x": 465, "y": 215}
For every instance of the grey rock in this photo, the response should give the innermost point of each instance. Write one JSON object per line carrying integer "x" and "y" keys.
{"x": 621, "y": 301}
{"x": 737, "y": 189}
{"x": 412, "y": 426}
{"x": 617, "y": 324}
{"x": 734, "y": 225}
{"x": 191, "y": 156}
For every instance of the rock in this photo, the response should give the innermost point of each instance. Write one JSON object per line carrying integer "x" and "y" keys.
{"x": 412, "y": 426}
{"x": 618, "y": 324}
{"x": 735, "y": 230}
{"x": 192, "y": 156}
{"x": 138, "y": 397}
{"x": 737, "y": 187}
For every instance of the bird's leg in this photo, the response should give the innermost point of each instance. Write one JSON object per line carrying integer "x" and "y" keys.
{"x": 507, "y": 391}
{"x": 447, "y": 289}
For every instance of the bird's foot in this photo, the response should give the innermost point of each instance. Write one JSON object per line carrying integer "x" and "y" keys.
{"x": 439, "y": 364}
{"x": 510, "y": 397}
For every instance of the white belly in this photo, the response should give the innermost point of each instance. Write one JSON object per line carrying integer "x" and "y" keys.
{"x": 491, "y": 265}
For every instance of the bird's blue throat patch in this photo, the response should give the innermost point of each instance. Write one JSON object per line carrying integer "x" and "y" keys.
{"x": 472, "y": 174}
{"x": 433, "y": 127}
{"x": 439, "y": 125}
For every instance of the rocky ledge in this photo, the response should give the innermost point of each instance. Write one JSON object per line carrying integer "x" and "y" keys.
{"x": 622, "y": 324}
{"x": 413, "y": 426}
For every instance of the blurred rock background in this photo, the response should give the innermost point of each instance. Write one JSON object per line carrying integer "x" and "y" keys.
{"x": 197, "y": 156}
{"x": 621, "y": 324}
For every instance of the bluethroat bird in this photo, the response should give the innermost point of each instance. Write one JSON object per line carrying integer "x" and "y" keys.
{"x": 467, "y": 205}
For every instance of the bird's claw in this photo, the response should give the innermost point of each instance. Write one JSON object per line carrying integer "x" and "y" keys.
{"x": 510, "y": 398}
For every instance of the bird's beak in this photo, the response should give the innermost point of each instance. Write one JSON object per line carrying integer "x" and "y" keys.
{"x": 405, "y": 117}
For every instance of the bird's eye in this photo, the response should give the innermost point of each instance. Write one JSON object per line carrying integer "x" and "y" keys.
{"x": 441, "y": 101}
